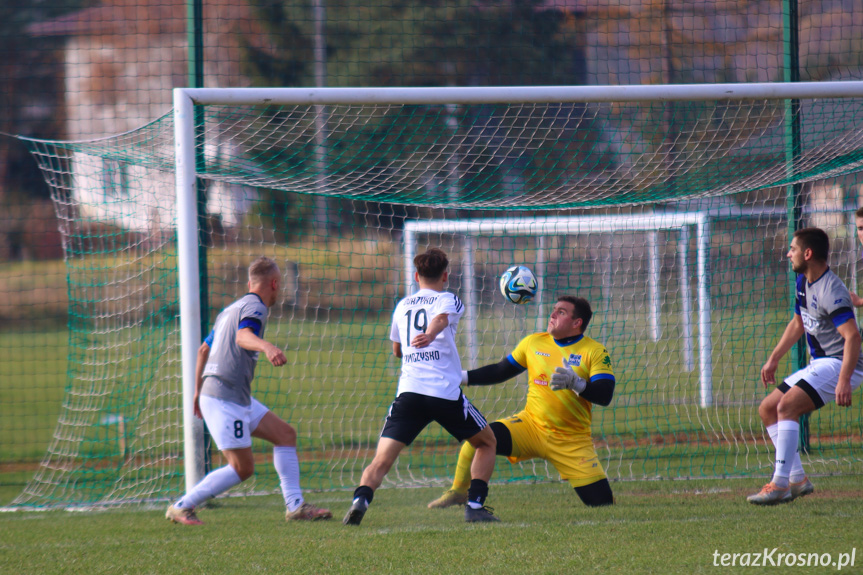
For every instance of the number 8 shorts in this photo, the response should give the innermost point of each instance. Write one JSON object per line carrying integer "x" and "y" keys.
{"x": 230, "y": 424}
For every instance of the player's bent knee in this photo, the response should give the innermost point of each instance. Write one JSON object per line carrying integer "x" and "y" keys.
{"x": 767, "y": 412}
{"x": 596, "y": 494}
{"x": 769, "y": 409}
{"x": 283, "y": 434}
{"x": 485, "y": 439}
{"x": 503, "y": 438}
{"x": 289, "y": 435}
{"x": 244, "y": 470}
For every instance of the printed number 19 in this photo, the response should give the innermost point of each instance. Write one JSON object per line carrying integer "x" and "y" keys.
{"x": 419, "y": 325}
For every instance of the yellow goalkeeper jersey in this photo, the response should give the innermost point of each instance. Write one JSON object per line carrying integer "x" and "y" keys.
{"x": 563, "y": 411}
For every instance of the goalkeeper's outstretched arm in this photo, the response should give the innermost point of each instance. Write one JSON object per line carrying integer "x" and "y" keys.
{"x": 492, "y": 374}
{"x": 599, "y": 392}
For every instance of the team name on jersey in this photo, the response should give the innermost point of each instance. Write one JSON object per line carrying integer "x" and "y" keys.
{"x": 422, "y": 356}
{"x": 421, "y": 300}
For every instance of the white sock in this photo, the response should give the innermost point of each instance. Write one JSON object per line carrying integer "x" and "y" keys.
{"x": 288, "y": 467}
{"x": 797, "y": 473}
{"x": 217, "y": 481}
{"x": 786, "y": 448}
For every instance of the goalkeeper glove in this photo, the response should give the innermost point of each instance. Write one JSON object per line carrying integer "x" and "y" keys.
{"x": 566, "y": 378}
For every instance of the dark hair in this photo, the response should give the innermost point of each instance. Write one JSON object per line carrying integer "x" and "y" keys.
{"x": 859, "y": 212}
{"x": 582, "y": 308}
{"x": 262, "y": 269}
{"x": 814, "y": 239}
{"x": 432, "y": 264}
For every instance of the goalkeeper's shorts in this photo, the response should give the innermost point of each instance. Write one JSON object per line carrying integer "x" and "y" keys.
{"x": 573, "y": 456}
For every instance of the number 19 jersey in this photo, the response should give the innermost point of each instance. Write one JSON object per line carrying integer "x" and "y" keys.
{"x": 434, "y": 370}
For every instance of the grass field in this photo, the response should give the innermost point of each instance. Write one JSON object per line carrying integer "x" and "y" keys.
{"x": 33, "y": 375}
{"x": 664, "y": 527}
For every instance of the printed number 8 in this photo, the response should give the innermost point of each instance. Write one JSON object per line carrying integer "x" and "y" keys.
{"x": 238, "y": 429}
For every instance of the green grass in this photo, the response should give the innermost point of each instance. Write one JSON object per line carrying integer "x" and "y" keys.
{"x": 655, "y": 527}
{"x": 33, "y": 375}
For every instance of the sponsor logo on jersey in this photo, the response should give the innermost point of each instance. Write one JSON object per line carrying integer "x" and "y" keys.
{"x": 541, "y": 382}
{"x": 606, "y": 361}
{"x": 542, "y": 354}
{"x": 809, "y": 322}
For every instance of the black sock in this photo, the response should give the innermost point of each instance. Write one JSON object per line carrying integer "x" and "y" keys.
{"x": 364, "y": 492}
{"x": 477, "y": 492}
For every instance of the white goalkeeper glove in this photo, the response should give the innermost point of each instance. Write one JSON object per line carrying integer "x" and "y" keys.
{"x": 566, "y": 378}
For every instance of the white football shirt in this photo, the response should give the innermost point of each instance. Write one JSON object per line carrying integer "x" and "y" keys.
{"x": 434, "y": 370}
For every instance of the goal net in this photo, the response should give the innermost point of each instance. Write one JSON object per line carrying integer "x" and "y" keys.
{"x": 668, "y": 209}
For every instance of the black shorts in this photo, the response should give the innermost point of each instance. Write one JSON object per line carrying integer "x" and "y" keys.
{"x": 410, "y": 413}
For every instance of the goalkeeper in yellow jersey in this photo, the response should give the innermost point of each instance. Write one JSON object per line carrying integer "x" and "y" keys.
{"x": 567, "y": 372}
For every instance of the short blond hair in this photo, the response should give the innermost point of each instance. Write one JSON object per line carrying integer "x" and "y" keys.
{"x": 263, "y": 269}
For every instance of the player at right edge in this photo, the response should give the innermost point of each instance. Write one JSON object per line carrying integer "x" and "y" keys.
{"x": 823, "y": 312}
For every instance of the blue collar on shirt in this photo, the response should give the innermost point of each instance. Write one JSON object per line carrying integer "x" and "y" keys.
{"x": 257, "y": 296}
{"x": 569, "y": 340}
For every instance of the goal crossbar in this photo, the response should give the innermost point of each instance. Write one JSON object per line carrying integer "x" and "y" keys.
{"x": 523, "y": 94}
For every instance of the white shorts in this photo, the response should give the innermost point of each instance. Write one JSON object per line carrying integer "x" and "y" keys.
{"x": 230, "y": 424}
{"x": 820, "y": 377}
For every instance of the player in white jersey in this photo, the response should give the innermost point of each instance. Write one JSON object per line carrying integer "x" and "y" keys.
{"x": 423, "y": 336}
{"x": 823, "y": 312}
{"x": 223, "y": 375}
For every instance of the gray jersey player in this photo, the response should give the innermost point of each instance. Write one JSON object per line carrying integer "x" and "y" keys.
{"x": 824, "y": 314}
{"x": 224, "y": 371}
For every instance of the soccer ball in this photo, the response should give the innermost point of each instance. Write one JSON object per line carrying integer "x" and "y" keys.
{"x": 518, "y": 284}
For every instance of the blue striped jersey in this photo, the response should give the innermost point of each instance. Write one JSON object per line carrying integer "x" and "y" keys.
{"x": 823, "y": 306}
